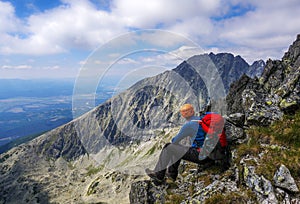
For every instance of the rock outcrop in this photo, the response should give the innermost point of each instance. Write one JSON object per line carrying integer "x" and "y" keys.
{"x": 284, "y": 180}
{"x": 215, "y": 187}
{"x": 265, "y": 99}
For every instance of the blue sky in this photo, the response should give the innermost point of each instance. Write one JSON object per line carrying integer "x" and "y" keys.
{"x": 54, "y": 38}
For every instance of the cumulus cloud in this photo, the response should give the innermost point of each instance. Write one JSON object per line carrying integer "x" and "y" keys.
{"x": 159, "y": 38}
{"x": 145, "y": 14}
{"x": 167, "y": 60}
{"x": 8, "y": 21}
{"x": 262, "y": 24}
{"x": 265, "y": 31}
{"x": 76, "y": 25}
{"x": 127, "y": 60}
{"x": 257, "y": 29}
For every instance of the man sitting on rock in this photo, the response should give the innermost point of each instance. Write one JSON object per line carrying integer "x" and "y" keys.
{"x": 172, "y": 153}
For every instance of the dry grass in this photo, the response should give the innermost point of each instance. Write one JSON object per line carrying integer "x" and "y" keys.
{"x": 283, "y": 139}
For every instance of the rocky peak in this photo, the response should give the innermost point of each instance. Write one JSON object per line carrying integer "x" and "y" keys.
{"x": 234, "y": 98}
{"x": 279, "y": 73}
{"x": 256, "y": 69}
{"x": 230, "y": 67}
{"x": 276, "y": 92}
{"x": 190, "y": 75}
{"x": 292, "y": 56}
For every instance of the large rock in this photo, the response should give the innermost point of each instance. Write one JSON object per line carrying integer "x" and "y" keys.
{"x": 281, "y": 78}
{"x": 257, "y": 110}
{"x": 249, "y": 99}
{"x": 260, "y": 185}
{"x": 144, "y": 192}
{"x": 234, "y": 133}
{"x": 284, "y": 180}
{"x": 234, "y": 98}
{"x": 217, "y": 187}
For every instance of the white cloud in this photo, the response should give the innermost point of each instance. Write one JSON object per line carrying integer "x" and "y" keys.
{"x": 256, "y": 29}
{"x": 80, "y": 25}
{"x": 55, "y": 67}
{"x": 194, "y": 27}
{"x": 74, "y": 25}
{"x": 264, "y": 32}
{"x": 82, "y": 62}
{"x": 16, "y": 67}
{"x": 186, "y": 52}
{"x": 145, "y": 14}
{"x": 8, "y": 21}
{"x": 170, "y": 59}
{"x": 159, "y": 38}
{"x": 127, "y": 60}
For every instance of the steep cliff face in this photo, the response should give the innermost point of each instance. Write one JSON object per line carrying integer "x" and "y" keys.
{"x": 231, "y": 68}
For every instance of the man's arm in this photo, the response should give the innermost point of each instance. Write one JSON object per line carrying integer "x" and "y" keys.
{"x": 188, "y": 129}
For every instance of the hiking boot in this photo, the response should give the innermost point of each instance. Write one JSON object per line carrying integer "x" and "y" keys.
{"x": 170, "y": 180}
{"x": 152, "y": 174}
{"x": 171, "y": 183}
{"x": 202, "y": 167}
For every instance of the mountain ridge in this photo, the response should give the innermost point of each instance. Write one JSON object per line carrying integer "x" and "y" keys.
{"x": 146, "y": 94}
{"x": 66, "y": 161}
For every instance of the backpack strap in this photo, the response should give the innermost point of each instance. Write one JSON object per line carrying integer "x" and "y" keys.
{"x": 223, "y": 139}
{"x": 200, "y": 137}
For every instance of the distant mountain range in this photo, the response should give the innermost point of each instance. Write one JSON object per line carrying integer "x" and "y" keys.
{"x": 48, "y": 168}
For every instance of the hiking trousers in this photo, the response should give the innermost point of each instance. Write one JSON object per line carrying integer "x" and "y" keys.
{"x": 171, "y": 156}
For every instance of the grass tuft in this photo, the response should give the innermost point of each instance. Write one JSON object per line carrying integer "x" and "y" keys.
{"x": 232, "y": 198}
{"x": 91, "y": 170}
{"x": 283, "y": 139}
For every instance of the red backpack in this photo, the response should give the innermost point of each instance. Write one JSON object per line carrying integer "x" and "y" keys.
{"x": 213, "y": 123}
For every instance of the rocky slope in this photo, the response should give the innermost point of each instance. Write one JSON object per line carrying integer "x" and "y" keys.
{"x": 259, "y": 172}
{"x": 99, "y": 156}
